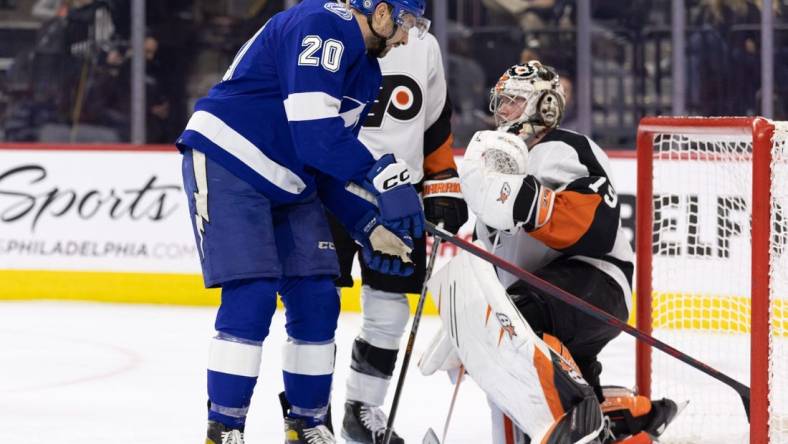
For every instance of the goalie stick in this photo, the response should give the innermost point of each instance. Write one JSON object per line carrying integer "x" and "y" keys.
{"x": 431, "y": 437}
{"x": 597, "y": 313}
{"x": 453, "y": 402}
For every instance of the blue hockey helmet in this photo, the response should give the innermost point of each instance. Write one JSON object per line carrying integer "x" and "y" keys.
{"x": 407, "y": 14}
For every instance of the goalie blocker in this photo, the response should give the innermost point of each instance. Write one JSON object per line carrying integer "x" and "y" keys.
{"x": 530, "y": 378}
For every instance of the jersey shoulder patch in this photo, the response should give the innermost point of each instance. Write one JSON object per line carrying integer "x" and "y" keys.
{"x": 340, "y": 10}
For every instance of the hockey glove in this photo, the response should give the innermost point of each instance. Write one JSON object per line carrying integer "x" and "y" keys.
{"x": 492, "y": 173}
{"x": 443, "y": 201}
{"x": 382, "y": 249}
{"x": 534, "y": 204}
{"x": 398, "y": 202}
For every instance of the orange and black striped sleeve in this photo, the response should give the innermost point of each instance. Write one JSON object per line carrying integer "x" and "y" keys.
{"x": 438, "y": 141}
{"x": 584, "y": 220}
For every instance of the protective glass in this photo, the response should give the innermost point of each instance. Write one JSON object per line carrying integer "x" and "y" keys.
{"x": 408, "y": 21}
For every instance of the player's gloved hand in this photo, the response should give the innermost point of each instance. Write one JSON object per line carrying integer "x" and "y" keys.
{"x": 491, "y": 173}
{"x": 384, "y": 250}
{"x": 443, "y": 201}
{"x": 398, "y": 202}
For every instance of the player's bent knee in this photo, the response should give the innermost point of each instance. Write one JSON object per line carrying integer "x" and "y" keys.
{"x": 385, "y": 317}
{"x": 533, "y": 309}
{"x": 247, "y": 308}
{"x": 311, "y": 308}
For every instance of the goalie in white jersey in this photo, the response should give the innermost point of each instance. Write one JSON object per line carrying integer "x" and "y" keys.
{"x": 544, "y": 200}
{"x": 411, "y": 119}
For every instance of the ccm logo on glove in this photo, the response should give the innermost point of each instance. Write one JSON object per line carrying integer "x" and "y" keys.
{"x": 392, "y": 176}
{"x": 391, "y": 182}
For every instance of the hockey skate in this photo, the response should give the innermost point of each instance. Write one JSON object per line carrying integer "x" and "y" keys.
{"x": 297, "y": 432}
{"x": 635, "y": 419}
{"x": 218, "y": 433}
{"x": 365, "y": 424}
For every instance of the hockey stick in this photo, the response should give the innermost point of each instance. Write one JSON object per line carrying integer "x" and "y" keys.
{"x": 597, "y": 313}
{"x": 411, "y": 339}
{"x": 431, "y": 437}
{"x": 453, "y": 402}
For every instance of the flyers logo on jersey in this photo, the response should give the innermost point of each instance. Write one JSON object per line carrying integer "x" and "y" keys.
{"x": 400, "y": 97}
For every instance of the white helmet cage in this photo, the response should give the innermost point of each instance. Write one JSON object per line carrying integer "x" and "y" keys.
{"x": 535, "y": 84}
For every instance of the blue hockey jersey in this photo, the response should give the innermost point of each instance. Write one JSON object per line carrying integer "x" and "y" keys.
{"x": 291, "y": 105}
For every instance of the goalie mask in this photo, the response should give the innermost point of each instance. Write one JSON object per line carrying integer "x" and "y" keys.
{"x": 528, "y": 99}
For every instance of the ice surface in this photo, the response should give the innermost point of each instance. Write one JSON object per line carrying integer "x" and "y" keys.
{"x": 75, "y": 372}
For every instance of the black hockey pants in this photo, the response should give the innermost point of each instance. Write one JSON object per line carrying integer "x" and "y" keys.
{"x": 583, "y": 335}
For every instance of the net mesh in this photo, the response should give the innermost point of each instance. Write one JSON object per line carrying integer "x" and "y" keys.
{"x": 701, "y": 281}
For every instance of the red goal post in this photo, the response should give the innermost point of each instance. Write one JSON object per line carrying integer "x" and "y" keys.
{"x": 698, "y": 150}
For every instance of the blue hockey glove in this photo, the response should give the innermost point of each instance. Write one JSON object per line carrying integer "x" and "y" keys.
{"x": 382, "y": 249}
{"x": 399, "y": 204}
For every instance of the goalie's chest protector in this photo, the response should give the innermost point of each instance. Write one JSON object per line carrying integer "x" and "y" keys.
{"x": 553, "y": 168}
{"x": 558, "y": 160}
{"x": 518, "y": 248}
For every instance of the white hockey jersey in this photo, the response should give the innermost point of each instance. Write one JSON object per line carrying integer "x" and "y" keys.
{"x": 585, "y": 223}
{"x": 411, "y": 117}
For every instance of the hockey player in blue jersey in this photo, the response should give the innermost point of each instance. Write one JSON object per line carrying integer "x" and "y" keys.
{"x": 265, "y": 151}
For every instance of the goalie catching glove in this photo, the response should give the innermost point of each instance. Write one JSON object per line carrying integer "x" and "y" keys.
{"x": 397, "y": 200}
{"x": 384, "y": 250}
{"x": 443, "y": 202}
{"x": 497, "y": 187}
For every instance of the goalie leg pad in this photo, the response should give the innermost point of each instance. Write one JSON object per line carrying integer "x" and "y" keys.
{"x": 583, "y": 424}
{"x": 439, "y": 355}
{"x": 520, "y": 373}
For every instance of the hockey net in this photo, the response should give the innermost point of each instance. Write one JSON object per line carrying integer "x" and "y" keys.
{"x": 712, "y": 274}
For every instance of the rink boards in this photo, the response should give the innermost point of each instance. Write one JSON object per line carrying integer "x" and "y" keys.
{"x": 110, "y": 223}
